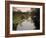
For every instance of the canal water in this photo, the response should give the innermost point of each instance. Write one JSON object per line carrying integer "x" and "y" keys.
{"x": 27, "y": 24}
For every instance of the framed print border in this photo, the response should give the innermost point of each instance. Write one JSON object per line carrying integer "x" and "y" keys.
{"x": 7, "y": 18}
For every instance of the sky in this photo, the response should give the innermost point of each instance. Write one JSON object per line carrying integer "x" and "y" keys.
{"x": 22, "y": 9}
